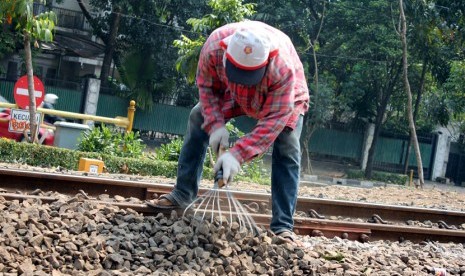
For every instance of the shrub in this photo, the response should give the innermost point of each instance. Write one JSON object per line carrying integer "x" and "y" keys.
{"x": 52, "y": 157}
{"x": 170, "y": 151}
{"x": 109, "y": 141}
{"x": 393, "y": 178}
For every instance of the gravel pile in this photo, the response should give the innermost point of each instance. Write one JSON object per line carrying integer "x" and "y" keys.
{"x": 74, "y": 236}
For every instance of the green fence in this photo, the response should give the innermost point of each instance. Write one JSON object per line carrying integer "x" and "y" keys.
{"x": 6, "y": 90}
{"x": 69, "y": 100}
{"x": 337, "y": 143}
{"x": 393, "y": 151}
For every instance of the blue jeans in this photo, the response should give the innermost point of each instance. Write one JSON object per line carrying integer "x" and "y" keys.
{"x": 285, "y": 170}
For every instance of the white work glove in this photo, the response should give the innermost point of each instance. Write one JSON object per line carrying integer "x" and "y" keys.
{"x": 219, "y": 137}
{"x": 230, "y": 166}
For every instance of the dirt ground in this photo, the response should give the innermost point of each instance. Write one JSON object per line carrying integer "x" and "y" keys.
{"x": 325, "y": 168}
{"x": 433, "y": 194}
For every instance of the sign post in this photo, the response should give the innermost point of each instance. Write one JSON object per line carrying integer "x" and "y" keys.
{"x": 21, "y": 94}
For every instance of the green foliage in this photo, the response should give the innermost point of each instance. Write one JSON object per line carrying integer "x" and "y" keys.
{"x": 39, "y": 27}
{"x": 392, "y": 178}
{"x": 255, "y": 171}
{"x": 223, "y": 12}
{"x": 111, "y": 142}
{"x": 7, "y": 45}
{"x": 131, "y": 145}
{"x": 234, "y": 132}
{"x": 188, "y": 53}
{"x": 455, "y": 90}
{"x": 318, "y": 112}
{"x": 140, "y": 68}
{"x": 170, "y": 151}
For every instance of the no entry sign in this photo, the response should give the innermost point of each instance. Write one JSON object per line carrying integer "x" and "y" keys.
{"x": 21, "y": 93}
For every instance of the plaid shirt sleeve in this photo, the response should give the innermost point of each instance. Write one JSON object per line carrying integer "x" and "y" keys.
{"x": 274, "y": 114}
{"x": 211, "y": 94}
{"x": 212, "y": 87}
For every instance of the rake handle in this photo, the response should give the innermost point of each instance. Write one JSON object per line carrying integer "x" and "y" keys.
{"x": 219, "y": 174}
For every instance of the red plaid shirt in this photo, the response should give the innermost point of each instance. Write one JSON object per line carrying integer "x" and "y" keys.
{"x": 276, "y": 102}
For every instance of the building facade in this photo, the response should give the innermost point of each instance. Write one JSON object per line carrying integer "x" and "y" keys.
{"x": 75, "y": 53}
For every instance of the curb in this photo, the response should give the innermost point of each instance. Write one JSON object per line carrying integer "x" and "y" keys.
{"x": 321, "y": 181}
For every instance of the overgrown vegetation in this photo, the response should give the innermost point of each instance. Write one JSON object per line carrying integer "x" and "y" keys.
{"x": 385, "y": 177}
{"x": 110, "y": 141}
{"x": 170, "y": 151}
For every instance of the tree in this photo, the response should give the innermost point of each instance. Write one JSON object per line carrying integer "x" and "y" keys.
{"x": 33, "y": 28}
{"x": 302, "y": 21}
{"x": 414, "y": 139}
{"x": 223, "y": 12}
{"x": 105, "y": 25}
{"x": 362, "y": 51}
{"x": 140, "y": 44}
{"x": 318, "y": 112}
{"x": 8, "y": 43}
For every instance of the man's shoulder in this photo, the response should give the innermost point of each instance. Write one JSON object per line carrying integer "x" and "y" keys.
{"x": 213, "y": 41}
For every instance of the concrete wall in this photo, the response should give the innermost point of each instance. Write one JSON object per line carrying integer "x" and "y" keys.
{"x": 442, "y": 153}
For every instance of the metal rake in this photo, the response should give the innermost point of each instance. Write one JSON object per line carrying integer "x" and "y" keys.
{"x": 220, "y": 204}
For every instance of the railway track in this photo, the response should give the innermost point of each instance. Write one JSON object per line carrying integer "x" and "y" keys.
{"x": 389, "y": 219}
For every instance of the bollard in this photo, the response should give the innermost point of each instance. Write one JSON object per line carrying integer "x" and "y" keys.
{"x": 131, "y": 110}
{"x": 411, "y": 179}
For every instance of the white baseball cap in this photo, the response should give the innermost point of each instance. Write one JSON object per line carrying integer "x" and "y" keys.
{"x": 247, "y": 53}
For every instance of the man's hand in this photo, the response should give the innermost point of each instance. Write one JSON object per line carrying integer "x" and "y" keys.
{"x": 219, "y": 137}
{"x": 230, "y": 166}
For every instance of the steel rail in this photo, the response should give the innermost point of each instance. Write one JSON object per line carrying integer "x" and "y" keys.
{"x": 14, "y": 179}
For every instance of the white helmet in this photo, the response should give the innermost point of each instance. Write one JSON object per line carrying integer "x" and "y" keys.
{"x": 50, "y": 98}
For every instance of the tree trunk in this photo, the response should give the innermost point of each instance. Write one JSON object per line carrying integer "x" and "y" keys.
{"x": 108, "y": 39}
{"x": 110, "y": 47}
{"x": 305, "y": 140}
{"x": 30, "y": 86}
{"x": 309, "y": 122}
{"x": 305, "y": 160}
{"x": 415, "y": 110}
{"x": 380, "y": 111}
{"x": 371, "y": 151}
{"x": 413, "y": 132}
{"x": 95, "y": 28}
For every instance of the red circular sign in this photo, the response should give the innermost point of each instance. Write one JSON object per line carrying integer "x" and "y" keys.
{"x": 21, "y": 93}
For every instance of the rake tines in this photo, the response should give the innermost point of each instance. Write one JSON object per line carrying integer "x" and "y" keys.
{"x": 222, "y": 206}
